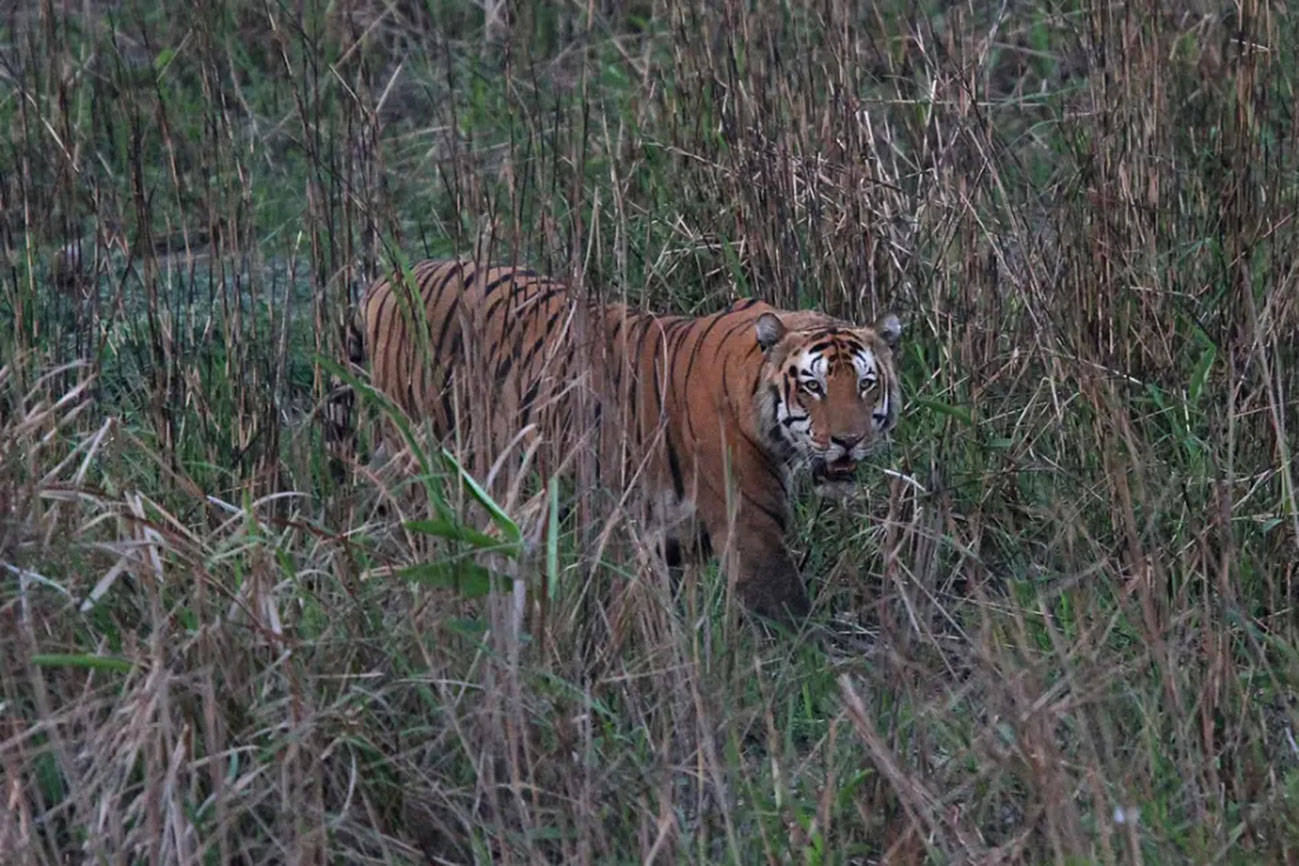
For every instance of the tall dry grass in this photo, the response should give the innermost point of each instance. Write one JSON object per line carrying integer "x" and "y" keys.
{"x": 1059, "y": 628}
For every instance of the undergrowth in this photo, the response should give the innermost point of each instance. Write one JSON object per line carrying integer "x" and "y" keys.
{"x": 1058, "y": 625}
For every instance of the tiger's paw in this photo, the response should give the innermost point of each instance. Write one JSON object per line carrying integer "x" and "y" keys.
{"x": 776, "y": 594}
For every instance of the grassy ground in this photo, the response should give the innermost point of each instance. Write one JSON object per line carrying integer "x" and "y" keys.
{"x": 1060, "y": 628}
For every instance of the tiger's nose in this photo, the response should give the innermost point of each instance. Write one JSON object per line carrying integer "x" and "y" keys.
{"x": 846, "y": 442}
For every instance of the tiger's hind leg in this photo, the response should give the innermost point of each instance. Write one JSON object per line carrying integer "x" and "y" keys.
{"x": 684, "y": 545}
{"x": 682, "y": 537}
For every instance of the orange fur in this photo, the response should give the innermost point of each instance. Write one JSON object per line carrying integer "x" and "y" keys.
{"x": 719, "y": 408}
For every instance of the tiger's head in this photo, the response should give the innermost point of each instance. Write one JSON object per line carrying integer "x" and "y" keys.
{"x": 829, "y": 391}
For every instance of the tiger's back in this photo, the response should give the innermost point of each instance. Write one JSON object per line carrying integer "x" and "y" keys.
{"x": 451, "y": 331}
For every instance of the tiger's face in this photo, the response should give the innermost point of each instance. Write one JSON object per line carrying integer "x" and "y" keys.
{"x": 830, "y": 392}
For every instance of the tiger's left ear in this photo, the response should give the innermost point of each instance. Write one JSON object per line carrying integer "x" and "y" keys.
{"x": 889, "y": 329}
{"x": 770, "y": 329}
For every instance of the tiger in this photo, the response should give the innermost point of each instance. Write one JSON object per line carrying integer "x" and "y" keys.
{"x": 716, "y": 414}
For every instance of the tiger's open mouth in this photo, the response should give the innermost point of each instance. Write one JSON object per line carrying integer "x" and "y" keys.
{"x": 841, "y": 469}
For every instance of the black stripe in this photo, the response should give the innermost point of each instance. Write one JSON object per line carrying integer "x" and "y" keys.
{"x": 404, "y": 338}
{"x": 617, "y": 327}
{"x": 629, "y": 364}
{"x": 453, "y": 354}
{"x": 447, "y": 319}
{"x": 511, "y": 274}
{"x": 430, "y": 297}
{"x": 674, "y": 467}
{"x": 514, "y": 273}
{"x": 454, "y": 269}
{"x": 699, "y": 341}
{"x": 491, "y": 308}
{"x": 372, "y": 338}
{"x": 775, "y": 516}
{"x": 762, "y": 452}
{"x": 448, "y": 408}
{"x": 690, "y": 366}
{"x": 646, "y": 324}
{"x": 738, "y": 326}
{"x": 539, "y": 342}
{"x": 778, "y": 518}
{"x": 611, "y": 347}
{"x": 503, "y": 369}
{"x": 528, "y": 397}
{"x": 537, "y": 300}
{"x": 515, "y": 302}
{"x": 675, "y": 334}
{"x": 681, "y": 333}
{"x": 694, "y": 354}
{"x": 771, "y": 464}
{"x": 655, "y": 373}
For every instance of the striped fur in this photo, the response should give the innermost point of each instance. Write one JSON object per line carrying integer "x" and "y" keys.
{"x": 743, "y": 396}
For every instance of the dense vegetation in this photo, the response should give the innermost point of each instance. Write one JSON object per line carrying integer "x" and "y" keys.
{"x": 1058, "y": 626}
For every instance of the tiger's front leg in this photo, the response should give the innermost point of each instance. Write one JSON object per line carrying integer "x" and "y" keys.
{"x": 769, "y": 584}
{"x": 751, "y": 544}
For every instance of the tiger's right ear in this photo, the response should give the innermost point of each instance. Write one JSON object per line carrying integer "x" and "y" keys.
{"x": 889, "y": 329}
{"x": 770, "y": 329}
